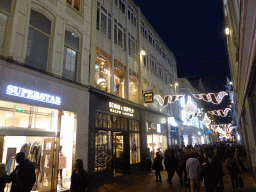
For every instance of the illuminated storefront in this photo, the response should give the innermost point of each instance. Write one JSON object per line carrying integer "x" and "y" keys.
{"x": 115, "y": 132}
{"x": 39, "y": 117}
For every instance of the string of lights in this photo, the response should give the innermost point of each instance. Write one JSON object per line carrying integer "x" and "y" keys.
{"x": 220, "y": 112}
{"x": 167, "y": 99}
{"x": 211, "y": 97}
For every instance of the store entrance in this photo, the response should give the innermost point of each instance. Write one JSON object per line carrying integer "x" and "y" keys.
{"x": 119, "y": 153}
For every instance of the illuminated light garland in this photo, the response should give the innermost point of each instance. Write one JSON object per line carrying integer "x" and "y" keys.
{"x": 167, "y": 99}
{"x": 211, "y": 97}
{"x": 206, "y": 121}
{"x": 190, "y": 108}
{"x": 223, "y": 126}
{"x": 220, "y": 112}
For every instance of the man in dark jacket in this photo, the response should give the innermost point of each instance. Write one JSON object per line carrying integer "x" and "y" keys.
{"x": 23, "y": 177}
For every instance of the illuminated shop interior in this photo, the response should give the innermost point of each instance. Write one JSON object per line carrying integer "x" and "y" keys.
{"x": 33, "y": 130}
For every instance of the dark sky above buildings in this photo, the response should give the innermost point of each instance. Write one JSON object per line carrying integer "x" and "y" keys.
{"x": 193, "y": 32}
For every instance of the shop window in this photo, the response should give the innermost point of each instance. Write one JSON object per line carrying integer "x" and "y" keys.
{"x": 103, "y": 148}
{"x": 38, "y": 40}
{"x": 134, "y": 148}
{"x": 124, "y": 124}
{"x": 5, "y": 7}
{"x": 74, "y": 3}
{"x": 133, "y": 89}
{"x": 103, "y": 120}
{"x": 71, "y": 49}
{"x": 134, "y": 125}
{"x": 102, "y": 74}
{"x": 119, "y": 83}
{"x": 67, "y": 147}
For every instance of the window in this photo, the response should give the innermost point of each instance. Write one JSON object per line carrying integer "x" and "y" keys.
{"x": 119, "y": 35}
{"x": 153, "y": 66}
{"x": 103, "y": 148}
{"x": 160, "y": 72}
{"x": 166, "y": 78}
{"x": 132, "y": 45}
{"x": 119, "y": 82}
{"x": 133, "y": 89}
{"x": 71, "y": 49}
{"x": 38, "y": 40}
{"x": 5, "y": 10}
{"x": 74, "y": 3}
{"x": 121, "y": 5}
{"x": 134, "y": 141}
{"x": 144, "y": 59}
{"x": 103, "y": 20}
{"x": 131, "y": 16}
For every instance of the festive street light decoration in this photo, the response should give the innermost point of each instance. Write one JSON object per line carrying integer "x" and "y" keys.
{"x": 195, "y": 115}
{"x": 223, "y": 126}
{"x": 206, "y": 121}
{"x": 220, "y": 112}
{"x": 211, "y": 97}
{"x": 190, "y": 108}
{"x": 167, "y": 99}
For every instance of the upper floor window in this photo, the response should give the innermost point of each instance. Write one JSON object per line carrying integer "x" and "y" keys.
{"x": 133, "y": 89}
{"x": 71, "y": 49}
{"x": 160, "y": 72}
{"x": 132, "y": 44}
{"x": 144, "y": 59}
{"x": 75, "y": 4}
{"x": 121, "y": 5}
{"x": 119, "y": 35}
{"x": 5, "y": 10}
{"x": 38, "y": 40}
{"x": 132, "y": 16}
{"x": 103, "y": 20}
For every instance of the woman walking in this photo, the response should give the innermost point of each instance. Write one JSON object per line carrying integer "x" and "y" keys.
{"x": 234, "y": 171}
{"x": 78, "y": 178}
{"x": 158, "y": 166}
{"x": 170, "y": 163}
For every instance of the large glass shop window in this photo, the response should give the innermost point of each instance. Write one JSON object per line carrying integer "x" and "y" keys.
{"x": 134, "y": 142}
{"x": 133, "y": 87}
{"x": 102, "y": 74}
{"x": 119, "y": 83}
{"x": 103, "y": 150}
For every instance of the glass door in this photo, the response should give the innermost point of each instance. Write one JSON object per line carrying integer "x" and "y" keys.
{"x": 118, "y": 152}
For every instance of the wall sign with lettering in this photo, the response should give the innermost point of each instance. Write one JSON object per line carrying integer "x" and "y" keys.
{"x": 33, "y": 95}
{"x": 122, "y": 110}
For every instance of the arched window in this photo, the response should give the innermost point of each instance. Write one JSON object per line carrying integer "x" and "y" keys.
{"x": 133, "y": 89}
{"x": 38, "y": 40}
{"x": 119, "y": 82}
{"x": 102, "y": 73}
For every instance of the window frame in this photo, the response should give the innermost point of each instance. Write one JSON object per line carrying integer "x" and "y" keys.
{"x": 101, "y": 10}
{"x": 73, "y": 4}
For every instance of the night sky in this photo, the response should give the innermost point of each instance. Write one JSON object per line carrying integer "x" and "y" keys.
{"x": 193, "y": 32}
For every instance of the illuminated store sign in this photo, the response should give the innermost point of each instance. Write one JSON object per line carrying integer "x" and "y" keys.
{"x": 34, "y": 95}
{"x": 122, "y": 110}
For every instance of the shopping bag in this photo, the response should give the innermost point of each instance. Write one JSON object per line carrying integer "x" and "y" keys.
{"x": 240, "y": 182}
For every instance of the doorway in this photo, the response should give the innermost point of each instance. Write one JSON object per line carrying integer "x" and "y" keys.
{"x": 120, "y": 158}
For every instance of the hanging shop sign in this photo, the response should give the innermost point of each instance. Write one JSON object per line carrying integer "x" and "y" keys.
{"x": 119, "y": 109}
{"x": 33, "y": 95}
{"x": 149, "y": 97}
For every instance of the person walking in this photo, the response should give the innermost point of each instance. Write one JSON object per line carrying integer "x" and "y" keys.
{"x": 23, "y": 177}
{"x": 158, "y": 166}
{"x": 207, "y": 175}
{"x": 232, "y": 166}
{"x": 218, "y": 174}
{"x": 181, "y": 166}
{"x": 170, "y": 163}
{"x": 148, "y": 160}
{"x": 193, "y": 168}
{"x": 78, "y": 178}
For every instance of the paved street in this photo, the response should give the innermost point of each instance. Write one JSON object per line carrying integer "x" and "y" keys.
{"x": 142, "y": 182}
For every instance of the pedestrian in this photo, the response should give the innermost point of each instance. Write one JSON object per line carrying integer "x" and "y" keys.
{"x": 2, "y": 177}
{"x": 207, "y": 175}
{"x": 170, "y": 163}
{"x": 234, "y": 171}
{"x": 23, "y": 177}
{"x": 148, "y": 160}
{"x": 158, "y": 166}
{"x": 78, "y": 178}
{"x": 181, "y": 167}
{"x": 186, "y": 157}
{"x": 193, "y": 168}
{"x": 218, "y": 174}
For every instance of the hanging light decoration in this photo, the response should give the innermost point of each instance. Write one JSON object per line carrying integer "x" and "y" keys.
{"x": 206, "y": 121}
{"x": 190, "y": 108}
{"x": 220, "y": 112}
{"x": 195, "y": 115}
{"x": 167, "y": 99}
{"x": 211, "y": 97}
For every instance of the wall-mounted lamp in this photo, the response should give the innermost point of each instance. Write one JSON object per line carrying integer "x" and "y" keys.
{"x": 230, "y": 83}
{"x": 227, "y": 31}
{"x": 176, "y": 84}
{"x": 143, "y": 52}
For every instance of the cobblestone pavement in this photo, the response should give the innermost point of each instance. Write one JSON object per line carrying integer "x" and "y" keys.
{"x": 142, "y": 182}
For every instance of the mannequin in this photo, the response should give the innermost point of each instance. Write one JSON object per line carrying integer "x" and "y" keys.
{"x": 62, "y": 164}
